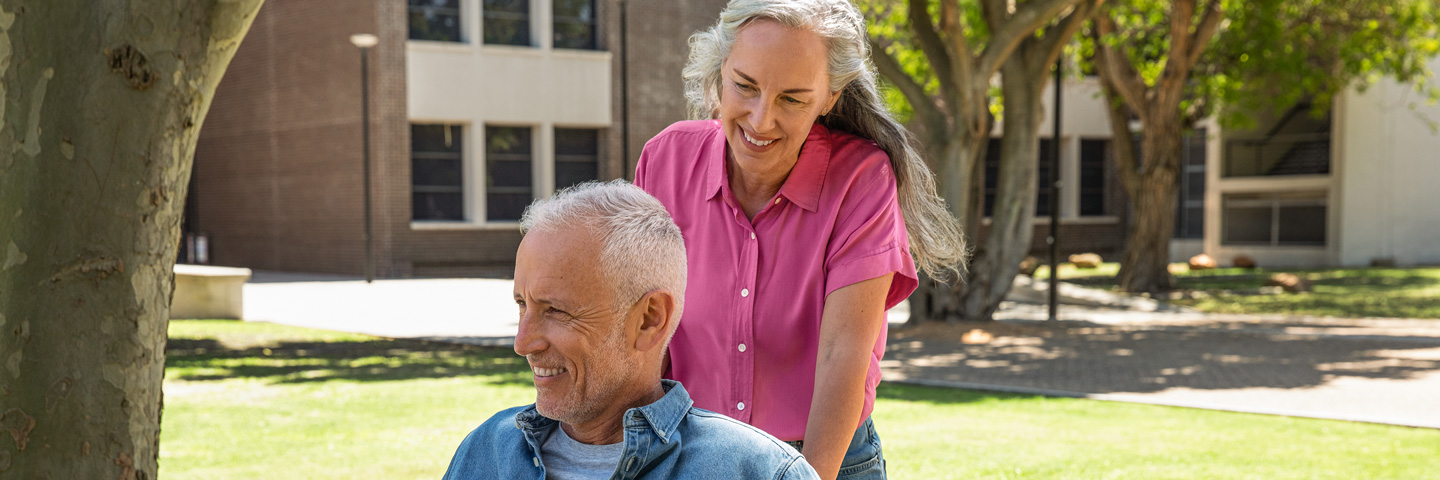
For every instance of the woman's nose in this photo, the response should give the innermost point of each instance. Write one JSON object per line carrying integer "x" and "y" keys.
{"x": 762, "y": 116}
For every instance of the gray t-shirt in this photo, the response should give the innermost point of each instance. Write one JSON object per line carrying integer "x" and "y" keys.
{"x": 567, "y": 459}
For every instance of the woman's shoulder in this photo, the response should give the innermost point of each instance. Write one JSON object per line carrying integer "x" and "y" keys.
{"x": 685, "y": 133}
{"x": 857, "y": 159}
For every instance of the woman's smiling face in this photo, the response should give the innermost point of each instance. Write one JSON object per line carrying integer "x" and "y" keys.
{"x": 774, "y": 85}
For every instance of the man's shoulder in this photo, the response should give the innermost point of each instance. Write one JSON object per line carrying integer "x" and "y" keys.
{"x": 497, "y": 438}
{"x": 708, "y": 433}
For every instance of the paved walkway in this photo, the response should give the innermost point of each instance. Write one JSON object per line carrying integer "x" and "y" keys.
{"x": 1372, "y": 370}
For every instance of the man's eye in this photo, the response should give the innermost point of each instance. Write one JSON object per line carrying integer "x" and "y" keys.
{"x": 556, "y": 311}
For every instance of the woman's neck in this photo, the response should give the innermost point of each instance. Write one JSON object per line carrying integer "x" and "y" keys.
{"x": 754, "y": 189}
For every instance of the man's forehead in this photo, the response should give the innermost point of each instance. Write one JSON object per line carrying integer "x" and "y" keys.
{"x": 556, "y": 258}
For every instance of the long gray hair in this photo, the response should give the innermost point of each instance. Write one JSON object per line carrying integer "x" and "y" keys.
{"x": 936, "y": 240}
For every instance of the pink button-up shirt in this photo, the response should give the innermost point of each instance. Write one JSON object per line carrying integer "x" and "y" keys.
{"x": 750, "y": 332}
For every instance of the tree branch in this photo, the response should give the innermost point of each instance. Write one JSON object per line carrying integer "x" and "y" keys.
{"x": 1182, "y": 12}
{"x": 942, "y": 57}
{"x": 1029, "y": 17}
{"x": 994, "y": 11}
{"x": 1054, "y": 41}
{"x": 1115, "y": 67}
{"x": 1122, "y": 141}
{"x": 1209, "y": 24}
{"x": 914, "y": 93}
{"x": 950, "y": 17}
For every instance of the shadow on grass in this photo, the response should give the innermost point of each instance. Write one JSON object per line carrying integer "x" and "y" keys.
{"x": 942, "y": 395}
{"x": 1094, "y": 358}
{"x": 380, "y": 359}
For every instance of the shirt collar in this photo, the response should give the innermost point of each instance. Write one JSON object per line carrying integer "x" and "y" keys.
{"x": 804, "y": 184}
{"x": 663, "y": 416}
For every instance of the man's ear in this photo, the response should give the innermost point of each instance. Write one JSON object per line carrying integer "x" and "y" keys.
{"x": 655, "y": 311}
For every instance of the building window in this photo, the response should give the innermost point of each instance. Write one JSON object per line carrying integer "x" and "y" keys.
{"x": 577, "y": 156}
{"x": 435, "y": 20}
{"x": 436, "y": 172}
{"x": 508, "y": 159}
{"x": 575, "y": 24}
{"x": 1274, "y": 219}
{"x": 1190, "y": 207}
{"x": 1042, "y": 175}
{"x": 1092, "y": 176}
{"x": 507, "y": 22}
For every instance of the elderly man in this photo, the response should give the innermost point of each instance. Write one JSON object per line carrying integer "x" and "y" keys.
{"x": 600, "y": 283}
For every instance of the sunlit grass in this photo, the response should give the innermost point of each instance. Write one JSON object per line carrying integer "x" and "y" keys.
{"x": 324, "y": 405}
{"x": 1342, "y": 292}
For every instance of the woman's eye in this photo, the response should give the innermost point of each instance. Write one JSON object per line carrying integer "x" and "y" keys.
{"x": 743, "y": 87}
{"x": 791, "y": 100}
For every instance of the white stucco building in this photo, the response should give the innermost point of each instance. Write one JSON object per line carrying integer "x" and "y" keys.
{"x": 1355, "y": 189}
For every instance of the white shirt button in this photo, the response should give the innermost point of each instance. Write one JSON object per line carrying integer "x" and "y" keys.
{"x": 741, "y": 405}
{"x": 777, "y": 201}
{"x": 741, "y": 347}
{"x": 537, "y": 460}
{"x": 744, "y": 292}
{"x": 752, "y": 235}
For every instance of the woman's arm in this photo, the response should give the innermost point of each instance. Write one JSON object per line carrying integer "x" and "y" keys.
{"x": 853, "y": 318}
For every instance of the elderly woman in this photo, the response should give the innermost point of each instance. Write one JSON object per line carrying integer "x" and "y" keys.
{"x": 801, "y": 202}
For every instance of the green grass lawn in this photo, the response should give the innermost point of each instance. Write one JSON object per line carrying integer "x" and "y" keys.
{"x": 1344, "y": 292}
{"x": 251, "y": 400}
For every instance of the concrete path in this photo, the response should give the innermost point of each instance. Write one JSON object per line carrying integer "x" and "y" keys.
{"x": 1373, "y": 370}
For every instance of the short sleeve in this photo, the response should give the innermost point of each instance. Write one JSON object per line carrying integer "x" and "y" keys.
{"x": 869, "y": 240}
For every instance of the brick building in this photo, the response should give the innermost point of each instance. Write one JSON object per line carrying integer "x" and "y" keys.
{"x": 476, "y": 107}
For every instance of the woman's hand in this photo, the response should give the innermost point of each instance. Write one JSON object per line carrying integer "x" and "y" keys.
{"x": 851, "y": 323}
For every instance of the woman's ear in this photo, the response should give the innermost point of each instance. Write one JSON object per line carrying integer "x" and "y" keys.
{"x": 829, "y": 106}
{"x": 656, "y": 311}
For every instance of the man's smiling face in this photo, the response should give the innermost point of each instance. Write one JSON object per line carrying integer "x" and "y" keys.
{"x": 570, "y": 330}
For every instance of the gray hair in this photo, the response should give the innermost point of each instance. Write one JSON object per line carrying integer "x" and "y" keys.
{"x": 641, "y": 249}
{"x": 936, "y": 240}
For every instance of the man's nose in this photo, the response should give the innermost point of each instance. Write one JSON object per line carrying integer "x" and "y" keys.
{"x": 528, "y": 339}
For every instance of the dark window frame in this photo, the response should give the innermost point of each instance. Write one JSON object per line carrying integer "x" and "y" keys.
{"x": 492, "y": 157}
{"x": 1097, "y": 189}
{"x": 556, "y": 19}
{"x": 1277, "y": 203}
{"x": 457, "y": 12}
{"x": 565, "y": 154}
{"x": 490, "y": 18}
{"x": 422, "y": 191}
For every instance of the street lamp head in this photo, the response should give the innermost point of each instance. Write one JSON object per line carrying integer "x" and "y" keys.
{"x": 364, "y": 40}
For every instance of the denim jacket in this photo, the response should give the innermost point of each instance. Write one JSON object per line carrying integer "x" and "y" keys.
{"x": 666, "y": 439}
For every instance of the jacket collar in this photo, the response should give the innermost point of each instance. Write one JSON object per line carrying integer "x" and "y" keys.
{"x": 662, "y": 417}
{"x": 802, "y": 187}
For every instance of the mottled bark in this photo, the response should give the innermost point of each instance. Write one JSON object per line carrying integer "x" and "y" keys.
{"x": 1144, "y": 265}
{"x": 103, "y": 102}
{"x": 1152, "y": 180}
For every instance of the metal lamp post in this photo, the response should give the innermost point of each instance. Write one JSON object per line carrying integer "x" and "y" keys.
{"x": 1054, "y": 239}
{"x": 366, "y": 41}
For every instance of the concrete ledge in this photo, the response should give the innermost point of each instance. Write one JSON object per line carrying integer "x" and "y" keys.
{"x": 203, "y": 291}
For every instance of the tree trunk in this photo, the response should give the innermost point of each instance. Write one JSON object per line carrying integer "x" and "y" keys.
{"x": 1144, "y": 267}
{"x": 933, "y": 300}
{"x": 104, "y": 102}
{"x": 1012, "y": 220}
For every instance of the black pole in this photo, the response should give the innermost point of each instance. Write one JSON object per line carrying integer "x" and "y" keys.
{"x": 365, "y": 137}
{"x": 624, "y": 96}
{"x": 1054, "y": 239}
